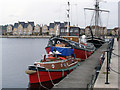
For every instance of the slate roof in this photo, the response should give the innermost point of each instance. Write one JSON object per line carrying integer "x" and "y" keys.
{"x": 16, "y": 25}
{"x": 22, "y": 23}
{"x": 58, "y": 23}
{"x": 65, "y": 23}
{"x": 31, "y": 23}
{"x": 51, "y": 25}
{"x": 12, "y": 26}
{"x": 25, "y": 25}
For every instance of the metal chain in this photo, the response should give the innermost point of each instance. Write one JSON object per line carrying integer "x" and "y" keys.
{"x": 116, "y": 54}
{"x": 114, "y": 71}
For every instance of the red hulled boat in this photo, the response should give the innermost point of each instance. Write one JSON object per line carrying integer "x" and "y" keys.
{"x": 51, "y": 69}
{"x": 81, "y": 50}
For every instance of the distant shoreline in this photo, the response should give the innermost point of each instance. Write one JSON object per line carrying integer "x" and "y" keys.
{"x": 5, "y": 36}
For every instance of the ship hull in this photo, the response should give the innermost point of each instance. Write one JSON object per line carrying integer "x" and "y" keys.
{"x": 79, "y": 53}
{"x": 44, "y": 76}
{"x": 43, "y": 85}
{"x": 82, "y": 54}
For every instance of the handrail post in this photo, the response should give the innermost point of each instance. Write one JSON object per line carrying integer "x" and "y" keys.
{"x": 107, "y": 68}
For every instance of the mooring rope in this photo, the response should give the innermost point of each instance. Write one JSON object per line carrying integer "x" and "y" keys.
{"x": 50, "y": 78}
{"x": 39, "y": 79}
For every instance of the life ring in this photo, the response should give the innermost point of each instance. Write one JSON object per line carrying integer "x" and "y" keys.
{"x": 58, "y": 42}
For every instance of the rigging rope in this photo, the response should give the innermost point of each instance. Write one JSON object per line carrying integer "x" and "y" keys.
{"x": 100, "y": 20}
{"x": 85, "y": 17}
{"x": 92, "y": 18}
{"x": 108, "y": 19}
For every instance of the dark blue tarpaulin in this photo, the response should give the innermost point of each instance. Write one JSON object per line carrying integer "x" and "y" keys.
{"x": 64, "y": 51}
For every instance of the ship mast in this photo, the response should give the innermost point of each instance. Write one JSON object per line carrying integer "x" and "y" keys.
{"x": 97, "y": 16}
{"x": 68, "y": 18}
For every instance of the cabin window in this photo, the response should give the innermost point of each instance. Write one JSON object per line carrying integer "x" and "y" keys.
{"x": 76, "y": 31}
{"x": 71, "y": 30}
{"x": 62, "y": 30}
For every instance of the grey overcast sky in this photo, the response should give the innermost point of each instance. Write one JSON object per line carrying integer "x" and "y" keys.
{"x": 46, "y": 11}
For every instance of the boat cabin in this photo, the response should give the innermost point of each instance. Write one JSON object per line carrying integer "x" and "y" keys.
{"x": 73, "y": 31}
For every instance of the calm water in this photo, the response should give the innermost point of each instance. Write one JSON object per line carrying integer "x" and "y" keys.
{"x": 17, "y": 54}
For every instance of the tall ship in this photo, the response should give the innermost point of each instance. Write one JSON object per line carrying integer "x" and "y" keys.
{"x": 96, "y": 38}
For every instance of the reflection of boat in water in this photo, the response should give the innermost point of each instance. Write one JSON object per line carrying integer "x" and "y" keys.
{"x": 52, "y": 68}
{"x": 81, "y": 50}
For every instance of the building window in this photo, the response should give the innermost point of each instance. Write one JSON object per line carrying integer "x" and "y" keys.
{"x": 44, "y": 30}
{"x": 71, "y": 31}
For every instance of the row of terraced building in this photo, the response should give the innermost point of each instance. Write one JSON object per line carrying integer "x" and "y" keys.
{"x": 29, "y": 28}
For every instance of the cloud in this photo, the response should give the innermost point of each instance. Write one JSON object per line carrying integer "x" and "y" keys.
{"x": 13, "y": 16}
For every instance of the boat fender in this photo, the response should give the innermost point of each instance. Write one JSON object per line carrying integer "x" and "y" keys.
{"x": 30, "y": 72}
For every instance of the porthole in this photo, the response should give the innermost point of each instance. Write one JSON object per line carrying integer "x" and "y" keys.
{"x": 61, "y": 65}
{"x": 64, "y": 64}
{"x": 53, "y": 66}
{"x": 38, "y": 65}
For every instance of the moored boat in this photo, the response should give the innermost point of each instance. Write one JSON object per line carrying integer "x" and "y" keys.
{"x": 51, "y": 69}
{"x": 81, "y": 50}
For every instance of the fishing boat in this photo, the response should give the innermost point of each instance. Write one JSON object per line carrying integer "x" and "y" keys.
{"x": 81, "y": 50}
{"x": 52, "y": 68}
